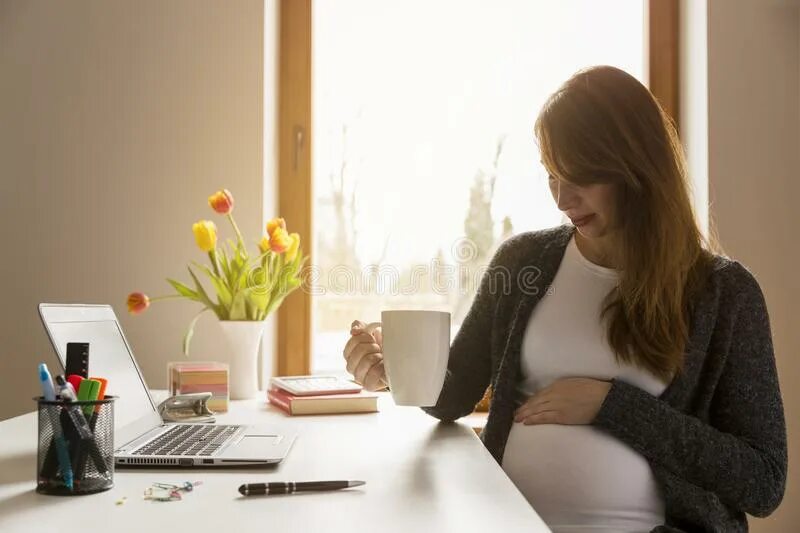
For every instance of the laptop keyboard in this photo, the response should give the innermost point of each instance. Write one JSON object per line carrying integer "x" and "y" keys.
{"x": 184, "y": 439}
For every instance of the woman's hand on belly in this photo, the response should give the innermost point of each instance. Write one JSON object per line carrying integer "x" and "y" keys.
{"x": 565, "y": 401}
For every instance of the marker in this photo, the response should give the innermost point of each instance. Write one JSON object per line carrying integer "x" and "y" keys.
{"x": 88, "y": 391}
{"x": 75, "y": 414}
{"x": 75, "y": 381}
{"x": 67, "y": 394}
{"x": 101, "y": 395}
{"x": 49, "y": 394}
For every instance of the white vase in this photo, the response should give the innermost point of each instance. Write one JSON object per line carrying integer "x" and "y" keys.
{"x": 243, "y": 339}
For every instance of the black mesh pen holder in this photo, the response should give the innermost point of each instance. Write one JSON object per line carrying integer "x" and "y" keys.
{"x": 76, "y": 446}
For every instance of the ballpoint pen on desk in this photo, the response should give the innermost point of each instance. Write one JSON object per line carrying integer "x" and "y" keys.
{"x": 49, "y": 394}
{"x": 258, "y": 489}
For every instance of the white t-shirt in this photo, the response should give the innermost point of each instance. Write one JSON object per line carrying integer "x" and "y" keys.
{"x": 576, "y": 477}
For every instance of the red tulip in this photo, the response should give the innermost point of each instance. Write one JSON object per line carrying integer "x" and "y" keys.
{"x": 137, "y": 302}
{"x": 221, "y": 201}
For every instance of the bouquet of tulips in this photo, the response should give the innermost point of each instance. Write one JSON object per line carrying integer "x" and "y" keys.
{"x": 245, "y": 287}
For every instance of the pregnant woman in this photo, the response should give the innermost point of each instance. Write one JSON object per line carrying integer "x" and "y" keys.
{"x": 633, "y": 373}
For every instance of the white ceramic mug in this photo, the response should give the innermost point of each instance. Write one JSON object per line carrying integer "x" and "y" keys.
{"x": 416, "y": 347}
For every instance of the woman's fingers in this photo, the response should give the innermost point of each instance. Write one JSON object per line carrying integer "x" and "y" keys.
{"x": 360, "y": 351}
{"x": 364, "y": 365}
{"x": 358, "y": 327}
{"x": 543, "y": 417}
{"x": 377, "y": 332}
{"x": 375, "y": 378}
{"x": 532, "y": 406}
{"x": 363, "y": 351}
{"x": 354, "y": 341}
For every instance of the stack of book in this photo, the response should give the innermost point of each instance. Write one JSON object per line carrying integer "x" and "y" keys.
{"x": 323, "y": 402}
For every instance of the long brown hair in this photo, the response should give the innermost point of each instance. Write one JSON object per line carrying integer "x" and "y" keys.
{"x": 604, "y": 126}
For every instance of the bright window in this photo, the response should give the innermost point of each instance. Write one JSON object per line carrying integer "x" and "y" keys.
{"x": 424, "y": 158}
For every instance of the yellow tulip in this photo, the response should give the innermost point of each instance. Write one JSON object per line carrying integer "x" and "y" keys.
{"x": 263, "y": 245}
{"x": 205, "y": 233}
{"x": 221, "y": 201}
{"x": 279, "y": 240}
{"x": 291, "y": 251}
{"x": 274, "y": 224}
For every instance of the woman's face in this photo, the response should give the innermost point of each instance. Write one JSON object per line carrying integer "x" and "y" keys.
{"x": 589, "y": 207}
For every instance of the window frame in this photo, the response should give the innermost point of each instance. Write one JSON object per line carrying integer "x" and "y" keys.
{"x": 295, "y": 190}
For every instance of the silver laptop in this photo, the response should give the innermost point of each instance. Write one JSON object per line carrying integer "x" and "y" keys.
{"x": 140, "y": 435}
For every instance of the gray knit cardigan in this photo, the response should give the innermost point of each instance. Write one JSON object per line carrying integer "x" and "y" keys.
{"x": 715, "y": 438}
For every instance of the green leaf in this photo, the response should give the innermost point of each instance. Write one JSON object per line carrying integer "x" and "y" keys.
{"x": 275, "y": 303}
{"x": 234, "y": 264}
{"x": 236, "y": 248}
{"x": 259, "y": 297}
{"x": 243, "y": 278}
{"x": 258, "y": 284}
{"x": 212, "y": 256}
{"x": 238, "y": 310}
{"x": 183, "y": 290}
{"x": 250, "y": 309}
{"x": 223, "y": 262}
{"x": 240, "y": 253}
{"x": 237, "y": 268}
{"x": 201, "y": 292}
{"x": 299, "y": 261}
{"x": 223, "y": 293}
{"x": 258, "y": 277}
{"x": 281, "y": 292}
{"x": 187, "y": 338}
{"x": 252, "y": 275}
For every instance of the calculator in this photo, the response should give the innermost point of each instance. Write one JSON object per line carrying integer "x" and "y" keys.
{"x": 313, "y": 385}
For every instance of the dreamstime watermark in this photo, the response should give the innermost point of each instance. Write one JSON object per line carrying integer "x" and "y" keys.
{"x": 435, "y": 277}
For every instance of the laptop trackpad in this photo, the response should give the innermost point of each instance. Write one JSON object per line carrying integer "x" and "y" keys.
{"x": 253, "y": 446}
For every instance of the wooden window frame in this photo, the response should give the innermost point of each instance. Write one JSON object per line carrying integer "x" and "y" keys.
{"x": 295, "y": 191}
{"x": 663, "y": 53}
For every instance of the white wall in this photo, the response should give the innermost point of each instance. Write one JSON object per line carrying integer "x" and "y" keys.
{"x": 117, "y": 120}
{"x": 753, "y": 96}
{"x": 269, "y": 194}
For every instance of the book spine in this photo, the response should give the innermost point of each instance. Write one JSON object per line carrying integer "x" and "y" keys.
{"x": 277, "y": 399}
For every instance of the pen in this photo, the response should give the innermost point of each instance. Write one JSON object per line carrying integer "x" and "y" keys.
{"x": 256, "y": 489}
{"x": 49, "y": 394}
{"x": 67, "y": 394}
{"x": 94, "y": 451}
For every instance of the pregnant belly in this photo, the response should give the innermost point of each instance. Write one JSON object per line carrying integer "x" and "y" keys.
{"x": 578, "y": 476}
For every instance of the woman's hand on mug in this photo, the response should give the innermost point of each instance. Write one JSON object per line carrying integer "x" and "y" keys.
{"x": 364, "y": 355}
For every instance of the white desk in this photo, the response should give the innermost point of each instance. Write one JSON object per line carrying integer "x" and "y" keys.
{"x": 421, "y": 476}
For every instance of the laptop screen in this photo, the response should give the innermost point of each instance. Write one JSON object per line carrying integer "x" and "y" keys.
{"x": 109, "y": 356}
